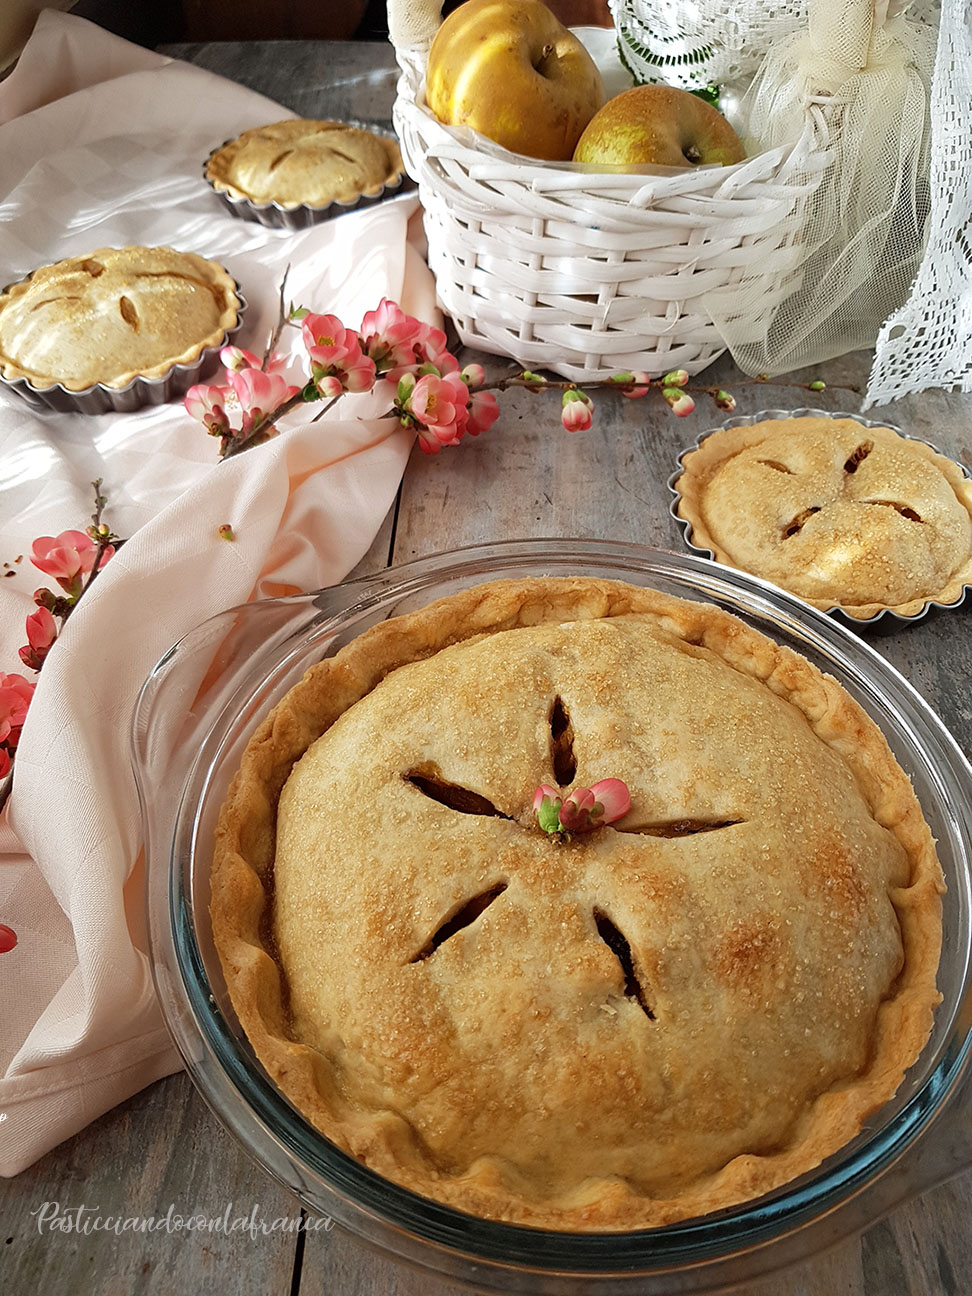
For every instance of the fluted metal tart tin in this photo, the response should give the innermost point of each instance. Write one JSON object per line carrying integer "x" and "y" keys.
{"x": 102, "y": 399}
{"x": 277, "y": 216}
{"x": 193, "y": 719}
{"x": 887, "y": 618}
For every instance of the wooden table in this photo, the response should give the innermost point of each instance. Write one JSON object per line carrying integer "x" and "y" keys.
{"x": 525, "y": 478}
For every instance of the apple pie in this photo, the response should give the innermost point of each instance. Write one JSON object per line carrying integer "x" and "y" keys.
{"x": 846, "y": 516}
{"x": 114, "y": 315}
{"x": 607, "y": 1030}
{"x": 300, "y": 162}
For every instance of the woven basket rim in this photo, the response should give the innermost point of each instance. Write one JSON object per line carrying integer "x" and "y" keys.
{"x": 483, "y": 159}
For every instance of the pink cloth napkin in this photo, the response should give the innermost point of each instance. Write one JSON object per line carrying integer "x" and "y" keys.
{"x": 102, "y": 144}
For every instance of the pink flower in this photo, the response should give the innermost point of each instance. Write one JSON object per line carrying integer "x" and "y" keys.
{"x": 15, "y": 696}
{"x": 575, "y": 813}
{"x": 259, "y": 394}
{"x": 4, "y": 763}
{"x": 389, "y": 336}
{"x": 68, "y": 557}
{"x": 41, "y": 633}
{"x": 335, "y": 352}
{"x": 207, "y": 404}
{"x": 431, "y": 348}
{"x": 436, "y": 405}
{"x": 235, "y": 358}
{"x": 613, "y": 797}
{"x": 547, "y": 801}
{"x": 482, "y": 412}
{"x": 576, "y": 413}
{"x": 680, "y": 401}
{"x": 582, "y": 809}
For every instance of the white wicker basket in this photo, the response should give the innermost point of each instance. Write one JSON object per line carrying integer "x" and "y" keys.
{"x": 587, "y": 274}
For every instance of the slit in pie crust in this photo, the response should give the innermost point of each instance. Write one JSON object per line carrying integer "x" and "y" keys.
{"x": 114, "y": 315}
{"x": 670, "y": 1015}
{"x": 845, "y": 516}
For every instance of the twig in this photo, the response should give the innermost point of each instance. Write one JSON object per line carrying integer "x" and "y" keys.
{"x": 281, "y": 321}
{"x": 105, "y": 538}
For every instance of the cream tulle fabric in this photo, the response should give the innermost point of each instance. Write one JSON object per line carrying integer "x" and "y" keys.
{"x": 886, "y": 245}
{"x": 863, "y": 231}
{"x": 102, "y": 144}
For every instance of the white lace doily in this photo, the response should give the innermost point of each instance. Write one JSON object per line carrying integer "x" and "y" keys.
{"x": 926, "y": 340}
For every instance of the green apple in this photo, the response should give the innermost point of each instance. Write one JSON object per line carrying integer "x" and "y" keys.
{"x": 512, "y": 71}
{"x": 660, "y": 125}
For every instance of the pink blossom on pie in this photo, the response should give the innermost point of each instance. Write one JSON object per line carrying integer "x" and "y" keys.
{"x": 68, "y": 557}
{"x": 41, "y": 633}
{"x": 613, "y": 797}
{"x": 582, "y": 809}
{"x": 15, "y": 695}
{"x": 547, "y": 801}
{"x": 207, "y": 404}
{"x": 576, "y": 412}
{"x": 545, "y": 793}
{"x": 575, "y": 813}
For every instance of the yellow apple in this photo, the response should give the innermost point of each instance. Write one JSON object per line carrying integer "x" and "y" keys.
{"x": 660, "y": 125}
{"x": 512, "y": 71}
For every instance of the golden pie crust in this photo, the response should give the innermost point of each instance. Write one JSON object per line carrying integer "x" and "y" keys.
{"x": 299, "y": 162}
{"x": 670, "y": 1015}
{"x": 114, "y": 315}
{"x": 845, "y": 516}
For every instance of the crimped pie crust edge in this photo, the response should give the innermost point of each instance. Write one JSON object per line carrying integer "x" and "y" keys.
{"x": 220, "y": 278}
{"x": 699, "y": 464}
{"x": 242, "y": 881}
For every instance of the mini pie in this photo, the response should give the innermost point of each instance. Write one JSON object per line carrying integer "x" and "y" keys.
{"x": 669, "y": 1015}
{"x": 114, "y": 315}
{"x": 298, "y": 162}
{"x": 845, "y": 516}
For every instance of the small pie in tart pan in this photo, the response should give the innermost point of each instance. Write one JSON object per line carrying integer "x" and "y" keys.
{"x": 116, "y": 329}
{"x": 851, "y": 515}
{"x": 296, "y": 173}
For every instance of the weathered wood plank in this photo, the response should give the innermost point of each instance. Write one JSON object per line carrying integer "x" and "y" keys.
{"x": 162, "y": 1149}
{"x": 348, "y": 80}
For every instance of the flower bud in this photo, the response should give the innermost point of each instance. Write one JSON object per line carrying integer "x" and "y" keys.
{"x": 680, "y": 401}
{"x": 677, "y": 378}
{"x": 576, "y": 412}
{"x": 725, "y": 400}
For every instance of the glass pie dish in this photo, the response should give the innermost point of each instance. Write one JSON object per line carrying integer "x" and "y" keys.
{"x": 195, "y": 715}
